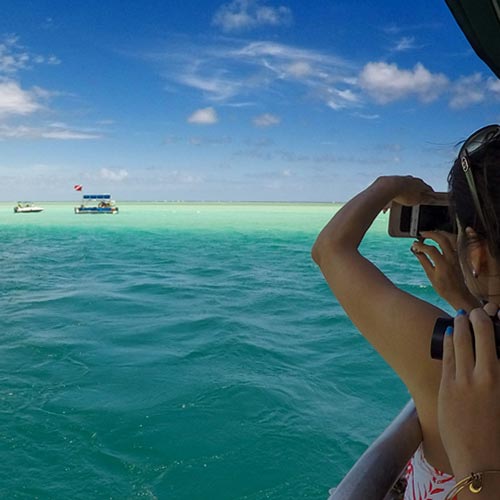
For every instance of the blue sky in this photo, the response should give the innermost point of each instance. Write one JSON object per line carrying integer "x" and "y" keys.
{"x": 232, "y": 100}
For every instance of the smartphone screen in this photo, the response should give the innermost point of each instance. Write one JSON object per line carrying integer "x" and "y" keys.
{"x": 434, "y": 217}
{"x": 405, "y": 221}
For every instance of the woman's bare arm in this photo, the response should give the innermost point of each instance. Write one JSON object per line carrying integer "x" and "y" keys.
{"x": 397, "y": 324}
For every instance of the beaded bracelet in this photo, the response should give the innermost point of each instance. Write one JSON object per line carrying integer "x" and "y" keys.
{"x": 474, "y": 481}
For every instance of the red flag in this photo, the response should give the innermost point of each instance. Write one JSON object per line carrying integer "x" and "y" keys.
{"x": 77, "y": 187}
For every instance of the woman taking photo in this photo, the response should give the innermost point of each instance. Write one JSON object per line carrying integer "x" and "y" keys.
{"x": 399, "y": 325}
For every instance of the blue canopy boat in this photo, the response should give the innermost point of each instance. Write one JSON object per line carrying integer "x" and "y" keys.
{"x": 97, "y": 204}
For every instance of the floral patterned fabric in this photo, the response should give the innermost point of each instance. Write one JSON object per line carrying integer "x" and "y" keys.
{"x": 425, "y": 482}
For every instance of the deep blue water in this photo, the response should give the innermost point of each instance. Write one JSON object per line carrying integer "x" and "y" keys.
{"x": 181, "y": 351}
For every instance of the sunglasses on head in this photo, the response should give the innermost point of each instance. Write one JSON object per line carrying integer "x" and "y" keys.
{"x": 473, "y": 144}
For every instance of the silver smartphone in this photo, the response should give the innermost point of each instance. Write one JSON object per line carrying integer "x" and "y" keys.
{"x": 407, "y": 222}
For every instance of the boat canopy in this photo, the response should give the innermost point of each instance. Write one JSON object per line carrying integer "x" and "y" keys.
{"x": 480, "y": 22}
{"x": 97, "y": 197}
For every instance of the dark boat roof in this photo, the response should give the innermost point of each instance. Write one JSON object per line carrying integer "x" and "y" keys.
{"x": 480, "y": 22}
{"x": 96, "y": 196}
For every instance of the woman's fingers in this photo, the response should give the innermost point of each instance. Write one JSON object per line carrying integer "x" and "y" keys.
{"x": 413, "y": 191}
{"x": 448, "y": 370}
{"x": 430, "y": 250}
{"x": 428, "y": 192}
{"x": 478, "y": 356}
{"x": 446, "y": 241}
{"x": 484, "y": 340}
{"x": 425, "y": 262}
{"x": 491, "y": 309}
{"x": 462, "y": 340}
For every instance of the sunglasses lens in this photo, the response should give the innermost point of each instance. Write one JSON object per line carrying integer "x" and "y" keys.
{"x": 480, "y": 138}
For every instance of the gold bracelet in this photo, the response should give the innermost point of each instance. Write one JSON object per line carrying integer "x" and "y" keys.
{"x": 474, "y": 481}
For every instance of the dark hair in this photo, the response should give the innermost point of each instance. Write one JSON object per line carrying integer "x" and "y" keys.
{"x": 485, "y": 165}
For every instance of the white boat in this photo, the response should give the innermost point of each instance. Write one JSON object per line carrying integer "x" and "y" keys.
{"x": 25, "y": 207}
{"x": 97, "y": 204}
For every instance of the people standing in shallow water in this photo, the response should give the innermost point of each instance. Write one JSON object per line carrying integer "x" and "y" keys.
{"x": 399, "y": 325}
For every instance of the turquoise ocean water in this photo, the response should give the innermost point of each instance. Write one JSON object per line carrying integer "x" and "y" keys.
{"x": 184, "y": 351}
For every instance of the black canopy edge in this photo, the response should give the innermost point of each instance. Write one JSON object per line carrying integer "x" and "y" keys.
{"x": 480, "y": 23}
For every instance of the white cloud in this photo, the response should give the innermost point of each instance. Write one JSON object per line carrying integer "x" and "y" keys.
{"x": 266, "y": 120}
{"x": 467, "y": 91}
{"x": 299, "y": 69}
{"x": 473, "y": 89}
{"x": 113, "y": 175}
{"x": 172, "y": 177}
{"x": 16, "y": 101}
{"x": 405, "y": 43}
{"x": 66, "y": 135}
{"x": 493, "y": 85}
{"x": 54, "y": 131}
{"x": 386, "y": 82}
{"x": 247, "y": 14}
{"x": 14, "y": 57}
{"x": 287, "y": 53}
{"x": 229, "y": 74}
{"x": 209, "y": 141}
{"x": 171, "y": 139}
{"x": 105, "y": 122}
{"x": 48, "y": 23}
{"x": 184, "y": 177}
{"x": 204, "y": 116}
{"x": 215, "y": 86}
{"x": 53, "y": 60}
{"x": 240, "y": 73}
{"x": 365, "y": 116}
{"x": 339, "y": 99}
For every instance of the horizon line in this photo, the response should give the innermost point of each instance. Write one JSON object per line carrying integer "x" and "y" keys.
{"x": 183, "y": 201}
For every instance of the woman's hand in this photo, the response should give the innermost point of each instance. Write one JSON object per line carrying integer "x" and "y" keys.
{"x": 410, "y": 190}
{"x": 442, "y": 267}
{"x": 469, "y": 397}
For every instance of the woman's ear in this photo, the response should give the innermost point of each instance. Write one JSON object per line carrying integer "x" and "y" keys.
{"x": 477, "y": 253}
